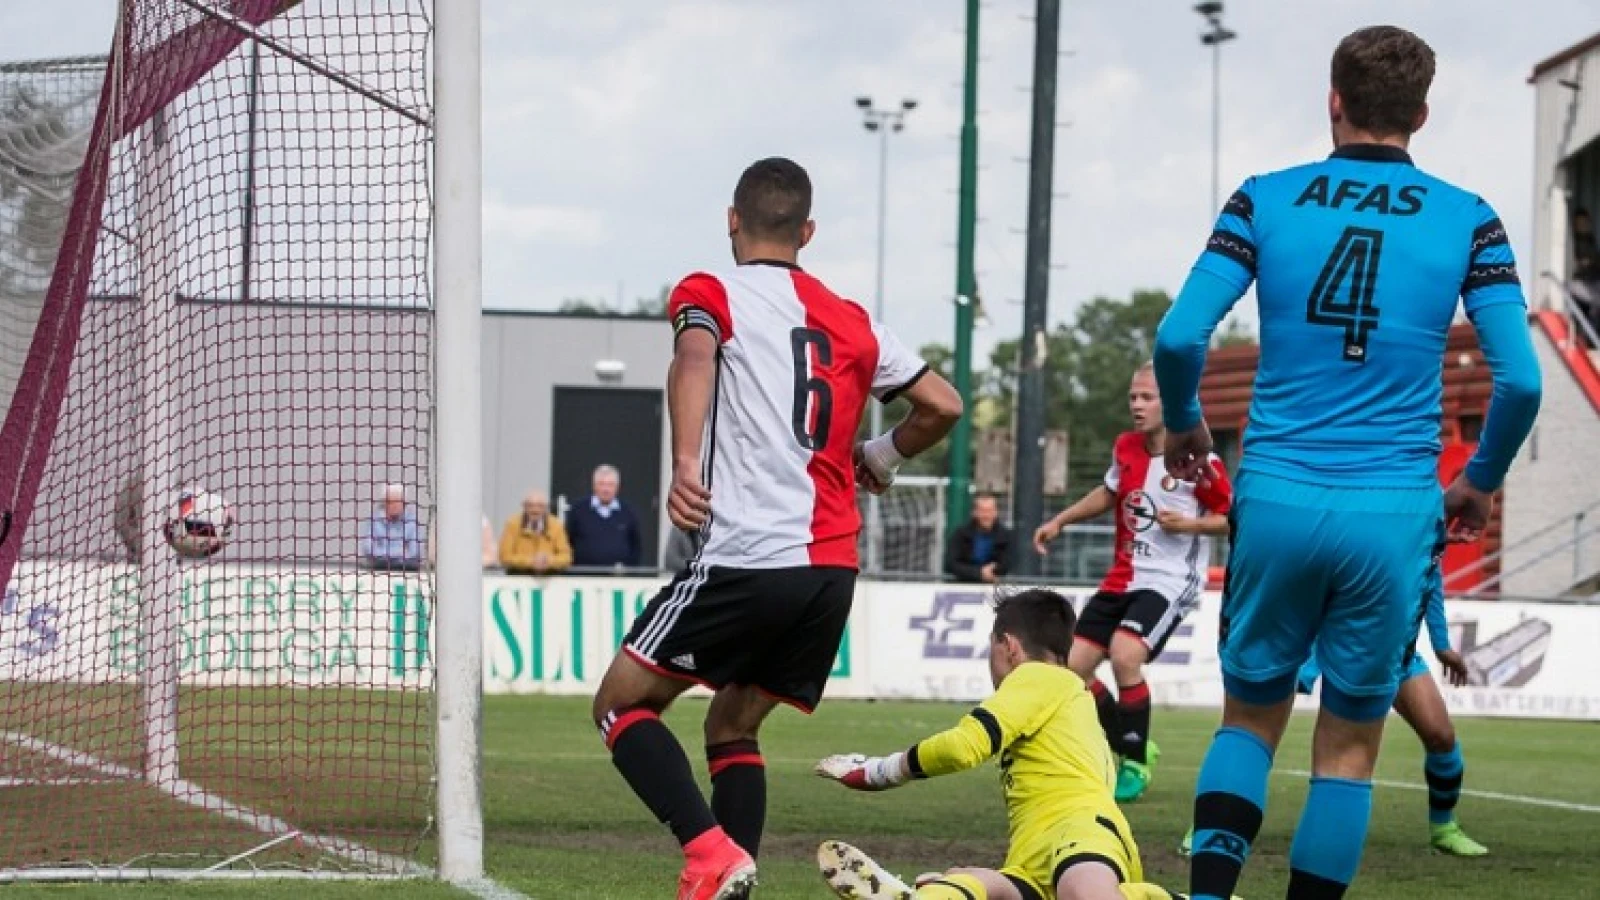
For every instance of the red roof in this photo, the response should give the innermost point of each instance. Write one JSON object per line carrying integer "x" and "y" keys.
{"x": 1571, "y": 53}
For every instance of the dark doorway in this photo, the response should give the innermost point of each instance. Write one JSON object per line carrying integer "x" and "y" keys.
{"x": 619, "y": 426}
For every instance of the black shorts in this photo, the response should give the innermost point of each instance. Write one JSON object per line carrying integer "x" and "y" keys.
{"x": 1145, "y": 614}
{"x": 776, "y": 629}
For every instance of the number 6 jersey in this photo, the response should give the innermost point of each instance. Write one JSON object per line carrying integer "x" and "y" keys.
{"x": 795, "y": 368}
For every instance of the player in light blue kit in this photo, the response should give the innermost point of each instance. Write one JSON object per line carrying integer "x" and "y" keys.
{"x": 1358, "y": 262}
{"x": 1421, "y": 704}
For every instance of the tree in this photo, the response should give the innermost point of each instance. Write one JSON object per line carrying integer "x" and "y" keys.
{"x": 643, "y": 307}
{"x": 584, "y": 306}
{"x": 654, "y": 307}
{"x": 1086, "y": 370}
{"x": 1234, "y": 333}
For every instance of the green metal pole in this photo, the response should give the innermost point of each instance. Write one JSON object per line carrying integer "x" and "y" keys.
{"x": 958, "y": 499}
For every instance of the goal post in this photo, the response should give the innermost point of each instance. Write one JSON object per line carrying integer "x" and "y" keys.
{"x": 240, "y": 597}
{"x": 458, "y": 267}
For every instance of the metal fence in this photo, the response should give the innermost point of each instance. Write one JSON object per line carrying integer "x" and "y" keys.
{"x": 909, "y": 536}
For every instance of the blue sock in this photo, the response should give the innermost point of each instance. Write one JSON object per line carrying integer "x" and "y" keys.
{"x": 1327, "y": 846}
{"x": 1230, "y": 799}
{"x": 1444, "y": 772}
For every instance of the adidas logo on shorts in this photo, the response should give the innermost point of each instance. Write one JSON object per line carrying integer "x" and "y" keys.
{"x": 686, "y": 661}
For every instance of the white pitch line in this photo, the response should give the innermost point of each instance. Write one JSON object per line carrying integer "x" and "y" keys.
{"x": 488, "y": 889}
{"x": 192, "y": 794}
{"x": 1467, "y": 792}
{"x": 12, "y": 782}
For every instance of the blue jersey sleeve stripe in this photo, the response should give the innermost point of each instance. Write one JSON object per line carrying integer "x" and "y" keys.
{"x": 1240, "y": 205}
{"x": 1235, "y": 247}
{"x": 1489, "y": 234}
{"x": 1482, "y": 275}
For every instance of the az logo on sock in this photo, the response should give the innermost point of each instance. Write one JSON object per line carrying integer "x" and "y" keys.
{"x": 1225, "y": 844}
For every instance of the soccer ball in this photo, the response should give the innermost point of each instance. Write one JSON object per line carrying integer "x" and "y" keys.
{"x": 201, "y": 524}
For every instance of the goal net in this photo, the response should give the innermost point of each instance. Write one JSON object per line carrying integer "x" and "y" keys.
{"x": 216, "y": 385}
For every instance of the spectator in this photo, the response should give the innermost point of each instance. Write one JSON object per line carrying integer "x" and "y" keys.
{"x": 392, "y": 538}
{"x": 980, "y": 551}
{"x": 681, "y": 547}
{"x": 604, "y": 531}
{"x": 489, "y": 553}
{"x": 534, "y": 542}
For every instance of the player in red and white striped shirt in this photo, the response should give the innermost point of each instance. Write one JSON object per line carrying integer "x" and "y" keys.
{"x": 1164, "y": 529}
{"x": 770, "y": 374}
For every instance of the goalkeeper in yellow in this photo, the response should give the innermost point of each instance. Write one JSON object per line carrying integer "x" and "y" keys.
{"x": 1068, "y": 840}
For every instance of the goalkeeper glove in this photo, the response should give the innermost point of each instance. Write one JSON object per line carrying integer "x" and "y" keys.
{"x": 865, "y": 773}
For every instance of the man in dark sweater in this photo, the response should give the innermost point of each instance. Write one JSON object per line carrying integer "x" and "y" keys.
{"x": 980, "y": 551}
{"x": 604, "y": 531}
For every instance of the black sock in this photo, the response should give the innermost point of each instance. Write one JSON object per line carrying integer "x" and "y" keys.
{"x": 654, "y": 765}
{"x": 1105, "y": 706}
{"x": 739, "y": 791}
{"x": 1133, "y": 719}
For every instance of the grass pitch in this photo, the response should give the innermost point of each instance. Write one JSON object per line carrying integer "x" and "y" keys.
{"x": 561, "y": 823}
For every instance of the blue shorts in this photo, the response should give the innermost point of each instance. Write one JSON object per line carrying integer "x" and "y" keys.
{"x": 1306, "y": 682}
{"x": 1338, "y": 572}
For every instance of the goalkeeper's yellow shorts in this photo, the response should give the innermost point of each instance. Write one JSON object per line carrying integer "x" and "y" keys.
{"x": 1039, "y": 856}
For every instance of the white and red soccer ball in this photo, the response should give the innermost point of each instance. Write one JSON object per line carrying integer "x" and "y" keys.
{"x": 201, "y": 524}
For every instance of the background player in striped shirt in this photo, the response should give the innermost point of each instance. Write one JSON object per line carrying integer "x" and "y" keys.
{"x": 1163, "y": 550}
{"x": 1358, "y": 262}
{"x": 770, "y": 374}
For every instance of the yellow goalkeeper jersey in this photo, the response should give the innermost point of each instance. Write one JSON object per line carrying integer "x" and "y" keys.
{"x": 1054, "y": 760}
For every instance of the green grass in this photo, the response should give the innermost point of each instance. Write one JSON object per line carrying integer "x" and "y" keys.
{"x": 561, "y": 823}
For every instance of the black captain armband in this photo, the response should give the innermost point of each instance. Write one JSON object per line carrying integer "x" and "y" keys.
{"x": 694, "y": 317}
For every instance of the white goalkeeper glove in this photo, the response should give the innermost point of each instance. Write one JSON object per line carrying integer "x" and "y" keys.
{"x": 878, "y": 458}
{"x": 865, "y": 773}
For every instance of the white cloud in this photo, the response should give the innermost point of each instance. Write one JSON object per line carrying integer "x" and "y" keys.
{"x": 615, "y": 131}
{"x": 505, "y": 223}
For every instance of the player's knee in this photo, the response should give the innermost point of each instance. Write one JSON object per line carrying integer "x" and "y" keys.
{"x": 721, "y": 730}
{"x": 626, "y": 686}
{"x": 1438, "y": 738}
{"x": 1128, "y": 656}
{"x": 1087, "y": 881}
{"x": 736, "y": 714}
{"x": 1342, "y": 748}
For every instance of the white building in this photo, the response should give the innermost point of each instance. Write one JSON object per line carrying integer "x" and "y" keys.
{"x": 1552, "y": 510}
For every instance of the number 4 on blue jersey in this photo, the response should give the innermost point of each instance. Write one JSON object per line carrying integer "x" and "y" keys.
{"x": 1358, "y": 261}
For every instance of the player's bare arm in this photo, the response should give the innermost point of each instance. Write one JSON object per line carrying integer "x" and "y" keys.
{"x": 1209, "y": 525}
{"x": 935, "y": 409}
{"x": 1097, "y": 502}
{"x": 691, "y": 381}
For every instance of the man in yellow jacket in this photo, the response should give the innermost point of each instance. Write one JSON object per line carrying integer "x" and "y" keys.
{"x": 534, "y": 542}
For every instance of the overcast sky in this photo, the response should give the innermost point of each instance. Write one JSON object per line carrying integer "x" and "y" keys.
{"x": 615, "y": 131}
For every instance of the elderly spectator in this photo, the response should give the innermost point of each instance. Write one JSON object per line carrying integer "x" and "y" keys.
{"x": 604, "y": 530}
{"x": 980, "y": 550}
{"x": 392, "y": 539}
{"x": 533, "y": 541}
